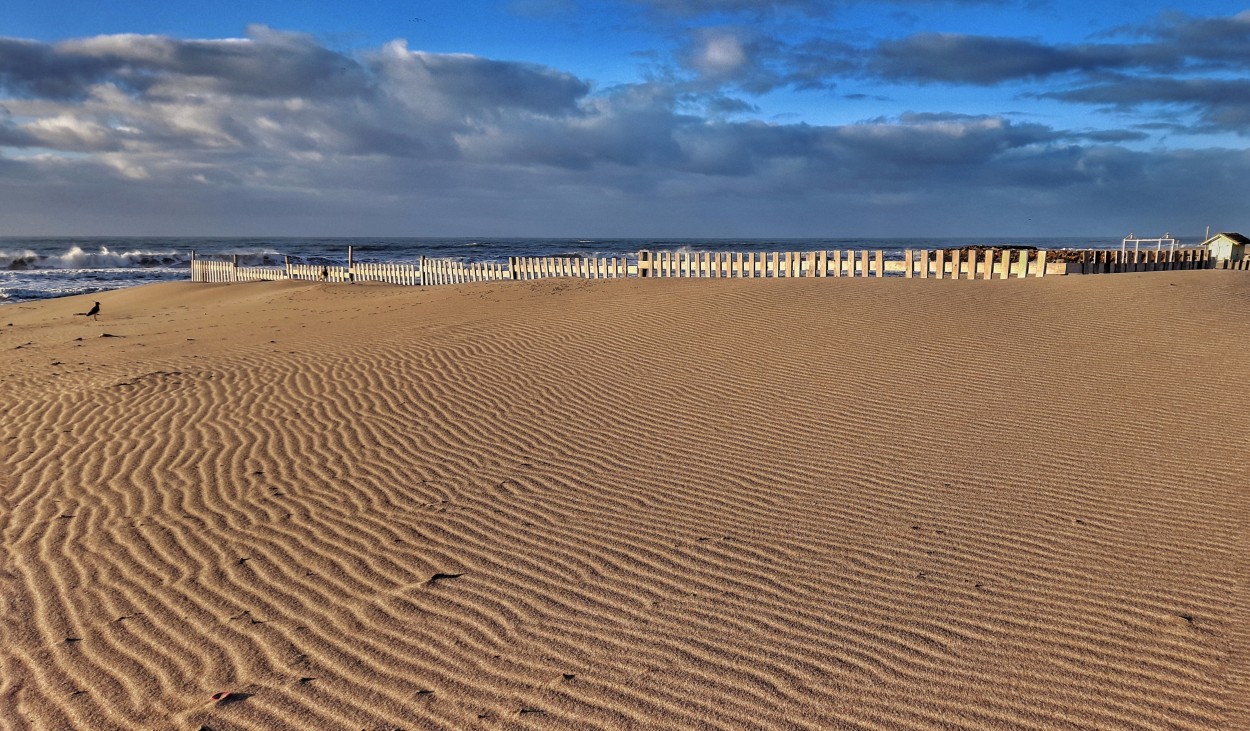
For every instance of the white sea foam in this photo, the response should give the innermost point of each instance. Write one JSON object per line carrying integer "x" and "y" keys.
{"x": 77, "y": 258}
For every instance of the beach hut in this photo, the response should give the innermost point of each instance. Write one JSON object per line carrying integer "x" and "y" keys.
{"x": 1227, "y": 246}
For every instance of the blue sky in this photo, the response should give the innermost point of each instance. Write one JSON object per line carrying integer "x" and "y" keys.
{"x": 716, "y": 118}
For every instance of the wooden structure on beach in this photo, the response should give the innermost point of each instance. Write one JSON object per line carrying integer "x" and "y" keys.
{"x": 1227, "y": 246}
{"x": 970, "y": 263}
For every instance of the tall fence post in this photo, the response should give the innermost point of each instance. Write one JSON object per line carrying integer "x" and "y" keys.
{"x": 644, "y": 263}
{"x": 351, "y": 276}
{"x": 234, "y": 269}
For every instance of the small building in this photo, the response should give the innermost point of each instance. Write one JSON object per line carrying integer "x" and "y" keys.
{"x": 1227, "y": 246}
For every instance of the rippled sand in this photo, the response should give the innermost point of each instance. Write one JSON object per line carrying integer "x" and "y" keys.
{"x": 825, "y": 504}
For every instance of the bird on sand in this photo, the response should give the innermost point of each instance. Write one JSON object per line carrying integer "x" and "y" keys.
{"x": 92, "y": 313}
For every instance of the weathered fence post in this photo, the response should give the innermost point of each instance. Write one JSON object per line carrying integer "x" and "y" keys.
{"x": 1041, "y": 263}
{"x": 351, "y": 275}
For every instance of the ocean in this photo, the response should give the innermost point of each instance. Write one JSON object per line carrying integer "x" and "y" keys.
{"x": 41, "y": 268}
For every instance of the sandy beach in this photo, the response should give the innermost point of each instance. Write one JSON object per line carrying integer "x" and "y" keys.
{"x": 636, "y": 504}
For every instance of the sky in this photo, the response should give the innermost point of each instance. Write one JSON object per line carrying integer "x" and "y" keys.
{"x": 624, "y": 118}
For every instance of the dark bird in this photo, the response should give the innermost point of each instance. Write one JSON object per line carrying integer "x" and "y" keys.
{"x": 92, "y": 312}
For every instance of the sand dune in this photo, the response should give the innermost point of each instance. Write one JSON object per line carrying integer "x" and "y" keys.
{"x": 825, "y": 504}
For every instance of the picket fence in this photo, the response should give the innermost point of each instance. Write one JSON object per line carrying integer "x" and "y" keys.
{"x": 923, "y": 263}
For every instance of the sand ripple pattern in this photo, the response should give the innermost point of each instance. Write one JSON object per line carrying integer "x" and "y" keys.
{"x": 894, "y": 504}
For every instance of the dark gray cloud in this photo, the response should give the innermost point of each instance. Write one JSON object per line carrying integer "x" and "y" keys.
{"x": 36, "y": 69}
{"x": 1176, "y": 43}
{"x": 769, "y": 7}
{"x": 265, "y": 64}
{"x": 10, "y": 135}
{"x": 986, "y": 60}
{"x": 1219, "y": 104}
{"x": 705, "y": 7}
{"x": 1112, "y": 136}
{"x": 1221, "y": 40}
{"x": 1189, "y": 71}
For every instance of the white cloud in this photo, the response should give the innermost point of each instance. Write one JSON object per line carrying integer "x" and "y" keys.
{"x": 722, "y": 54}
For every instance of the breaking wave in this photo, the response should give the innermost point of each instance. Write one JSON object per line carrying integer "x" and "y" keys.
{"x": 104, "y": 258}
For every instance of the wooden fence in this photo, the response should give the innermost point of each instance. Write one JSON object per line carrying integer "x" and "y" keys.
{"x": 542, "y": 267}
{"x": 938, "y": 264}
{"x": 922, "y": 263}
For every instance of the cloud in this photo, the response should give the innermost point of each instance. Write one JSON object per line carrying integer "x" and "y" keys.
{"x": 1174, "y": 44}
{"x": 925, "y": 141}
{"x": 754, "y": 7}
{"x": 758, "y": 63}
{"x": 10, "y": 135}
{"x": 695, "y": 8}
{"x": 1189, "y": 71}
{"x": 1220, "y": 104}
{"x": 1113, "y": 136}
{"x": 271, "y": 94}
{"x": 461, "y": 83}
{"x": 267, "y": 63}
{"x": 983, "y": 60}
{"x": 170, "y": 132}
{"x": 35, "y": 69}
